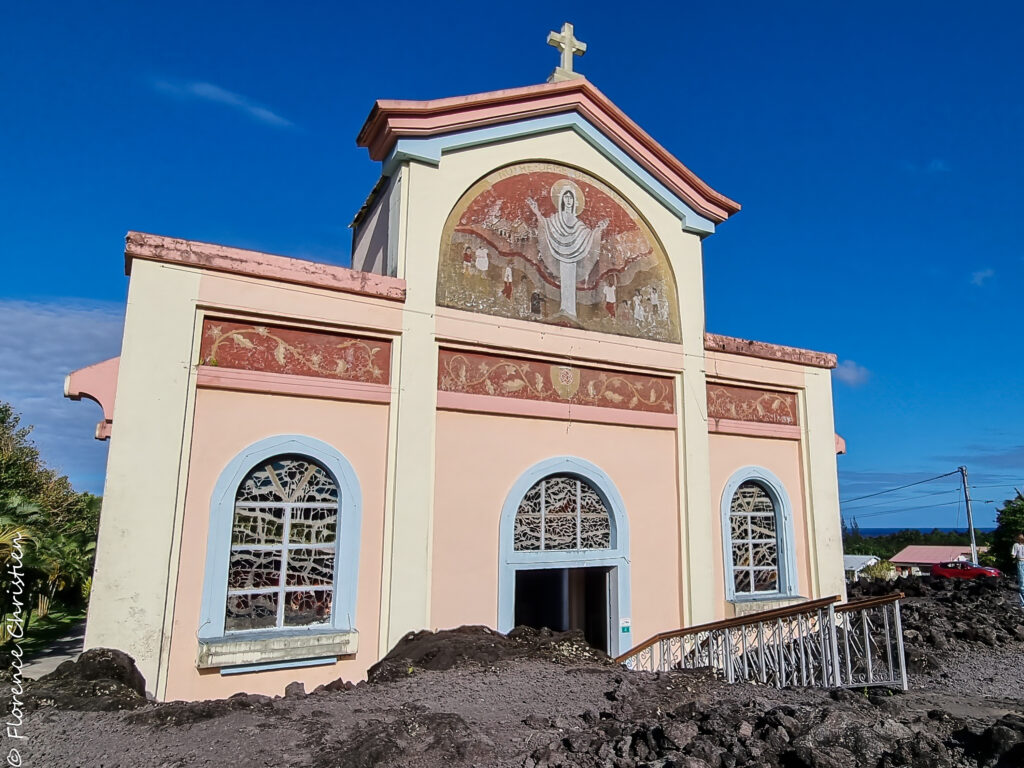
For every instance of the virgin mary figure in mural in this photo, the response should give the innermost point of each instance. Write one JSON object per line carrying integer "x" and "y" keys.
{"x": 564, "y": 237}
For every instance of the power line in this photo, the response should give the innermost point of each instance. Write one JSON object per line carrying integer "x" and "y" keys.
{"x": 900, "y": 488}
{"x": 912, "y": 498}
{"x": 906, "y": 509}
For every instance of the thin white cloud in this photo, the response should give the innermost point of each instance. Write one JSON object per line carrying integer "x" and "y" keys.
{"x": 215, "y": 94}
{"x": 48, "y": 341}
{"x": 978, "y": 278}
{"x": 851, "y": 374}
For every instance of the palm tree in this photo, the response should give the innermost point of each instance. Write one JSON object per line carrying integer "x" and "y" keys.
{"x": 14, "y": 534}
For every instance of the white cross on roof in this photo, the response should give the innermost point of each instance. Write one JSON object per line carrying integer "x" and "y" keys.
{"x": 568, "y": 46}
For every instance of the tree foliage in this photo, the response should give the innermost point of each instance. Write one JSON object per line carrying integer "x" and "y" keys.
{"x": 1009, "y": 524}
{"x": 44, "y": 523}
{"x": 884, "y": 547}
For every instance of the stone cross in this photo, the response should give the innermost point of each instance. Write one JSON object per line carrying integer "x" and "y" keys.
{"x": 569, "y": 46}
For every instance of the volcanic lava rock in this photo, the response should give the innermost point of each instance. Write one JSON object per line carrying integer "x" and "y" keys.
{"x": 482, "y": 646}
{"x": 408, "y": 740}
{"x": 102, "y": 679}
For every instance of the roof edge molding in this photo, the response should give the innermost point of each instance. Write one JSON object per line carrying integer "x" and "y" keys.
{"x": 238, "y": 261}
{"x": 428, "y": 149}
{"x": 604, "y": 125}
{"x": 715, "y": 342}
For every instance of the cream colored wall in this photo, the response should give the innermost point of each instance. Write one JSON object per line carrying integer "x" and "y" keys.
{"x": 225, "y": 424}
{"x": 823, "y": 484}
{"x": 429, "y": 194}
{"x": 145, "y": 468}
{"x": 479, "y": 459}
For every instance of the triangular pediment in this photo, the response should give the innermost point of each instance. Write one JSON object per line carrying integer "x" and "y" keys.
{"x": 423, "y": 130}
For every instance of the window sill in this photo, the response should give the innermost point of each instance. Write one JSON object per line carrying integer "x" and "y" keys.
{"x": 752, "y": 604}
{"x": 269, "y": 647}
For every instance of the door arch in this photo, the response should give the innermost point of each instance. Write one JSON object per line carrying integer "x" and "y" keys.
{"x": 614, "y": 557}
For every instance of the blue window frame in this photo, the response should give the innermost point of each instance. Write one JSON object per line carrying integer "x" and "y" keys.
{"x": 283, "y": 545}
{"x": 757, "y": 537}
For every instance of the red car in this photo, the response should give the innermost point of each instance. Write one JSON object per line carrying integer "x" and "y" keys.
{"x": 961, "y": 569}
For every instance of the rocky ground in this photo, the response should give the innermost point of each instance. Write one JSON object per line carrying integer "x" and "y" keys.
{"x": 472, "y": 697}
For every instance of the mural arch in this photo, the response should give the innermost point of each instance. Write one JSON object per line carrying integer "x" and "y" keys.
{"x": 550, "y": 243}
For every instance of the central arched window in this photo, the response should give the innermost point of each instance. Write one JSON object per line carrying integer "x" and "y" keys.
{"x": 753, "y": 531}
{"x": 561, "y": 512}
{"x": 284, "y": 541}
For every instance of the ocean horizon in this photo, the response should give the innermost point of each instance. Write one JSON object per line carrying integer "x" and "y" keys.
{"x": 870, "y": 532}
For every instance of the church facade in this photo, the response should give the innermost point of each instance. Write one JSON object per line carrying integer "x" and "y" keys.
{"x": 508, "y": 411}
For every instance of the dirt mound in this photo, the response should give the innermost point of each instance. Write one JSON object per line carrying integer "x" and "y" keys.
{"x": 478, "y": 645}
{"x": 411, "y": 739}
{"x": 102, "y": 679}
{"x": 178, "y": 713}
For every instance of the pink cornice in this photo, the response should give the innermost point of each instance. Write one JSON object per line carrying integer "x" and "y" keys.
{"x": 262, "y": 382}
{"x": 505, "y": 406}
{"x": 97, "y": 382}
{"x": 754, "y": 429}
{"x": 219, "y": 258}
{"x": 390, "y": 120}
{"x": 714, "y": 342}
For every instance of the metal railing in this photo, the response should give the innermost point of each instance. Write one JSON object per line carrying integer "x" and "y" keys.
{"x": 816, "y": 643}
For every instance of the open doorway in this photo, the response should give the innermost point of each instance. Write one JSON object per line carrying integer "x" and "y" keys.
{"x": 565, "y": 598}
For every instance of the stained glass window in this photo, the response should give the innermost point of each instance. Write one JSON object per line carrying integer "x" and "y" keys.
{"x": 753, "y": 534}
{"x": 283, "y": 546}
{"x": 562, "y": 513}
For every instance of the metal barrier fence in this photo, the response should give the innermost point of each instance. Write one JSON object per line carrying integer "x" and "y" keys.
{"x": 816, "y": 643}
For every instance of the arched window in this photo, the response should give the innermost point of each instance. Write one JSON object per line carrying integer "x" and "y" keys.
{"x": 561, "y": 512}
{"x": 284, "y": 537}
{"x": 757, "y": 534}
{"x": 282, "y": 557}
{"x": 755, "y": 543}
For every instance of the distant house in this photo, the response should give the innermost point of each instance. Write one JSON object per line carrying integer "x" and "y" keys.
{"x": 854, "y": 564}
{"x": 919, "y": 558}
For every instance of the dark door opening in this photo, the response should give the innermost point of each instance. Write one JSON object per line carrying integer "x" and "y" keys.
{"x": 565, "y": 598}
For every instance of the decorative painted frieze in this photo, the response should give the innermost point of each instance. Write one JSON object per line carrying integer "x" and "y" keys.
{"x": 748, "y": 404}
{"x": 478, "y": 374}
{"x": 302, "y": 352}
{"x": 552, "y": 244}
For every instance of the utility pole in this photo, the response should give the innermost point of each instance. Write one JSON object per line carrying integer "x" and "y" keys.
{"x": 970, "y": 517}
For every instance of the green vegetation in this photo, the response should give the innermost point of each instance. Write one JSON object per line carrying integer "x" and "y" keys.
{"x": 47, "y": 538}
{"x": 1009, "y": 524}
{"x": 883, "y": 569}
{"x": 884, "y": 547}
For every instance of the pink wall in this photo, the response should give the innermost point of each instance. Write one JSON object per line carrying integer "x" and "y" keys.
{"x": 480, "y": 457}
{"x": 226, "y": 423}
{"x": 732, "y": 452}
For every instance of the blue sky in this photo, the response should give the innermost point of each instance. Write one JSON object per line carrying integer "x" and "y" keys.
{"x": 875, "y": 148}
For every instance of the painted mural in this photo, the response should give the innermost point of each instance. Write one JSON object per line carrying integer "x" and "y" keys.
{"x": 746, "y": 404}
{"x": 549, "y": 243}
{"x": 478, "y": 374}
{"x": 296, "y": 351}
